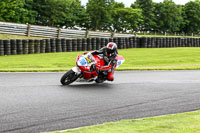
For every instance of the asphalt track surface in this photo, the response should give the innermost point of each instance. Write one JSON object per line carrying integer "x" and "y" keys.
{"x": 36, "y": 102}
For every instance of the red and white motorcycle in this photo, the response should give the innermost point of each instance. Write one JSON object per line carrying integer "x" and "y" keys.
{"x": 87, "y": 69}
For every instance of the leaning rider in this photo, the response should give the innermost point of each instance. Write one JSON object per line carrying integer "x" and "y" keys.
{"x": 109, "y": 54}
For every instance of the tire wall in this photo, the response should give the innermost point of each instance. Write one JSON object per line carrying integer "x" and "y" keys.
{"x": 36, "y": 46}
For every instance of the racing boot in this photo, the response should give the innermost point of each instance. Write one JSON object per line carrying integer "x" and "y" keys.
{"x": 110, "y": 70}
{"x": 110, "y": 75}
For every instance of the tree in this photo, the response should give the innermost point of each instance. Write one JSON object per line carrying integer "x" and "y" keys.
{"x": 100, "y": 13}
{"x": 157, "y": 10}
{"x": 127, "y": 19}
{"x": 24, "y": 12}
{"x": 58, "y": 12}
{"x": 168, "y": 16}
{"x": 192, "y": 17}
{"x": 17, "y": 11}
{"x": 118, "y": 5}
{"x": 147, "y": 8}
{"x": 82, "y": 18}
{"x": 7, "y": 9}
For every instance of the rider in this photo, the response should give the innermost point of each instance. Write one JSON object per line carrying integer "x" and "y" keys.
{"x": 109, "y": 54}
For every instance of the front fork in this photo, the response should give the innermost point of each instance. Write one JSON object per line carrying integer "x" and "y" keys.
{"x": 76, "y": 70}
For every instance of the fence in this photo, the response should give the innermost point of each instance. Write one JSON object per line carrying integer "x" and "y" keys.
{"x": 168, "y": 34}
{"x": 52, "y": 32}
{"x": 34, "y": 46}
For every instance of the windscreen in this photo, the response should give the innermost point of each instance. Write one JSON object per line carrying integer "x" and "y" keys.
{"x": 86, "y": 60}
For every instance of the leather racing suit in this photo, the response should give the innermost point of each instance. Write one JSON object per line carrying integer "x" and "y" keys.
{"x": 109, "y": 57}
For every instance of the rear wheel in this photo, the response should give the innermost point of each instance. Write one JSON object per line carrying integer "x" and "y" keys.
{"x": 69, "y": 77}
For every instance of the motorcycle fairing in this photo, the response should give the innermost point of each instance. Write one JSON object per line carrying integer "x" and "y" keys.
{"x": 120, "y": 60}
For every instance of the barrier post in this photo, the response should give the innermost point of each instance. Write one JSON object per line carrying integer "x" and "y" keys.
{"x": 29, "y": 30}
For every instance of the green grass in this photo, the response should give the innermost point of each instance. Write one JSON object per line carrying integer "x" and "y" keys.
{"x": 8, "y": 36}
{"x": 39, "y": 62}
{"x": 136, "y": 59}
{"x": 177, "y": 123}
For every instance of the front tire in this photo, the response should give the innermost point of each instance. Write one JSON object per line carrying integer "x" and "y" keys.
{"x": 69, "y": 77}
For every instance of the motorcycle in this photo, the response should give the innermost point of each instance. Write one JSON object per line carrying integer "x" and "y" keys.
{"x": 86, "y": 69}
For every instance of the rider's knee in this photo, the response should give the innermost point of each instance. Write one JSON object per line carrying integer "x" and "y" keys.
{"x": 111, "y": 76}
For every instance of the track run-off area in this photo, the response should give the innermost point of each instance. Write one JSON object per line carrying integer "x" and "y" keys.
{"x": 37, "y": 102}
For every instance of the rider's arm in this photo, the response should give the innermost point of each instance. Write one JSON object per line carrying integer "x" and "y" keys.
{"x": 113, "y": 58}
{"x": 114, "y": 55}
{"x": 97, "y": 52}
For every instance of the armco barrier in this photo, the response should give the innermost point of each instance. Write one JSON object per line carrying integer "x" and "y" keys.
{"x": 52, "y": 32}
{"x": 35, "y": 46}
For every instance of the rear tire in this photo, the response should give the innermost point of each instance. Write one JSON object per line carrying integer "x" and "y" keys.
{"x": 69, "y": 77}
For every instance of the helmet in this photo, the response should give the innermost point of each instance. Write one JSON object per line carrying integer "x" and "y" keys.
{"x": 112, "y": 46}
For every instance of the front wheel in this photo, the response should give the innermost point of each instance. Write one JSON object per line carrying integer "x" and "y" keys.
{"x": 69, "y": 77}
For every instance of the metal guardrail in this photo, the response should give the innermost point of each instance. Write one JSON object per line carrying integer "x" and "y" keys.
{"x": 52, "y": 32}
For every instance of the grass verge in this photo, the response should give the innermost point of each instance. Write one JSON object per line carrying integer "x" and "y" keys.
{"x": 136, "y": 59}
{"x": 177, "y": 123}
{"x": 9, "y": 36}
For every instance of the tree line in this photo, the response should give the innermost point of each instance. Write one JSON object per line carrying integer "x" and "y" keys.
{"x": 142, "y": 15}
